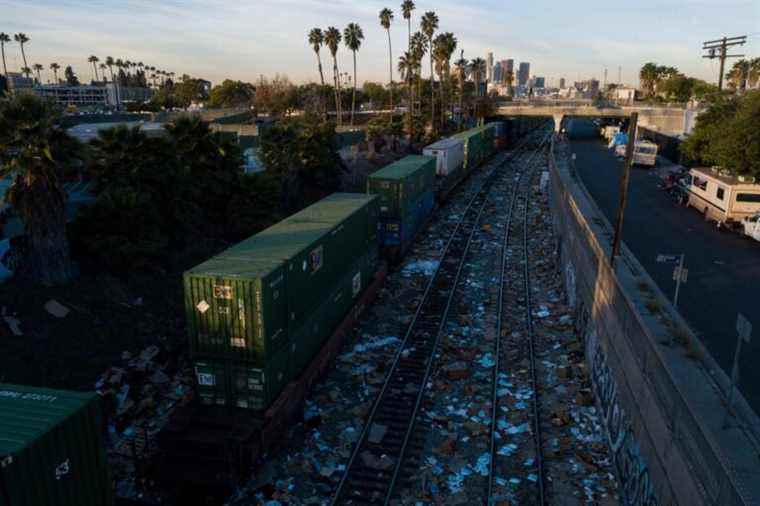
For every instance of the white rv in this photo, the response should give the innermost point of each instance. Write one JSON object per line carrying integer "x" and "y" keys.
{"x": 721, "y": 197}
{"x": 645, "y": 153}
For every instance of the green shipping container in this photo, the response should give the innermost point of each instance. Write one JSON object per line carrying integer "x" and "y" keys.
{"x": 309, "y": 338}
{"x": 243, "y": 303}
{"x": 401, "y": 183}
{"x": 240, "y": 384}
{"x": 236, "y": 306}
{"x": 51, "y": 450}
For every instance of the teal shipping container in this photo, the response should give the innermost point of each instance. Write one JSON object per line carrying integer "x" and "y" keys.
{"x": 51, "y": 449}
{"x": 400, "y": 184}
{"x": 243, "y": 303}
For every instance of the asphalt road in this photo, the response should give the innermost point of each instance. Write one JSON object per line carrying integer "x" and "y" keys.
{"x": 724, "y": 267}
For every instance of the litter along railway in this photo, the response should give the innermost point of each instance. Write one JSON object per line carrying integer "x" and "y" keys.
{"x": 398, "y": 404}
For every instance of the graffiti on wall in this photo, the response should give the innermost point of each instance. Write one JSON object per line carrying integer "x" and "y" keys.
{"x": 633, "y": 474}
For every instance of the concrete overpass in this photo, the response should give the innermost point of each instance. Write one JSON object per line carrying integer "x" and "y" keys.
{"x": 670, "y": 120}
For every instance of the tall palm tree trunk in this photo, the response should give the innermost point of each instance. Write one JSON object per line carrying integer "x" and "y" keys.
{"x": 390, "y": 72}
{"x": 336, "y": 88}
{"x": 321, "y": 74}
{"x": 432, "y": 89}
{"x": 5, "y": 69}
{"x": 353, "y": 97}
{"x": 55, "y": 73}
{"x": 95, "y": 68}
{"x": 23, "y": 55}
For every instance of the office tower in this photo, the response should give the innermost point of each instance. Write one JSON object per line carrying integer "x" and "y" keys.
{"x": 497, "y": 73}
{"x": 523, "y": 74}
{"x": 489, "y": 67}
{"x": 540, "y": 82}
{"x": 561, "y": 82}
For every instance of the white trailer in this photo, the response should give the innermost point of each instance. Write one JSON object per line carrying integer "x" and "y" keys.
{"x": 645, "y": 153}
{"x": 449, "y": 155}
{"x": 723, "y": 198}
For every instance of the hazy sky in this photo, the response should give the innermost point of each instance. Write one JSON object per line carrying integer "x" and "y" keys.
{"x": 218, "y": 39}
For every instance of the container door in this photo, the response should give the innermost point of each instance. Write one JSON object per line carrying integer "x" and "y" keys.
{"x": 211, "y": 382}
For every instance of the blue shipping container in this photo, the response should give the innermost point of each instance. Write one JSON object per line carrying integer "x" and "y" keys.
{"x": 396, "y": 232}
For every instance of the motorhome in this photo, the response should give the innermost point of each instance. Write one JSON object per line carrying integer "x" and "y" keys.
{"x": 721, "y": 197}
{"x": 645, "y": 153}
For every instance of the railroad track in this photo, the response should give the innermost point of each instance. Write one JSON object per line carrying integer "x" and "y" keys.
{"x": 516, "y": 447}
{"x": 376, "y": 463}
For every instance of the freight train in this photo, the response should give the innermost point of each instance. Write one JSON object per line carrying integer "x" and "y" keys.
{"x": 264, "y": 317}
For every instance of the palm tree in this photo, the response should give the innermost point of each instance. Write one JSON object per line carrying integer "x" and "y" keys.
{"x": 445, "y": 45}
{"x": 754, "y": 72}
{"x": 407, "y": 6}
{"x": 55, "y": 67}
{"x": 649, "y": 75}
{"x": 332, "y": 39}
{"x": 26, "y": 71}
{"x": 352, "y": 37}
{"x": 461, "y": 71}
{"x": 22, "y": 39}
{"x": 316, "y": 39}
{"x": 429, "y": 25}
{"x": 477, "y": 68}
{"x": 38, "y": 68}
{"x": 34, "y": 151}
{"x": 110, "y": 64}
{"x": 386, "y": 16}
{"x": 406, "y": 68}
{"x": 739, "y": 75}
{"x": 94, "y": 60}
{"x": 103, "y": 67}
{"x": 4, "y": 37}
{"x": 419, "y": 48}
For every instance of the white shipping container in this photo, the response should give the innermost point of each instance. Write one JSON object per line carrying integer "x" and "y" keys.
{"x": 449, "y": 155}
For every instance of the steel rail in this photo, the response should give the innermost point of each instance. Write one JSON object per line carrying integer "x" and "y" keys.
{"x": 482, "y": 192}
{"x": 500, "y": 306}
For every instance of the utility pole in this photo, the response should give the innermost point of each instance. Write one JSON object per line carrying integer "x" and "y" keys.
{"x": 718, "y": 49}
{"x": 624, "y": 187}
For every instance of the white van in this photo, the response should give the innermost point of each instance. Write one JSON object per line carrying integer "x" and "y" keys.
{"x": 721, "y": 197}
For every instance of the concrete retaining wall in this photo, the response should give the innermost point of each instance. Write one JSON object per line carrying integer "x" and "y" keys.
{"x": 662, "y": 407}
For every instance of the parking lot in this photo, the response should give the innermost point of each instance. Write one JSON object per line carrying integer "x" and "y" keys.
{"x": 724, "y": 267}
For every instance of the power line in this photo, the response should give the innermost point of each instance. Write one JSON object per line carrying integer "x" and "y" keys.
{"x": 718, "y": 49}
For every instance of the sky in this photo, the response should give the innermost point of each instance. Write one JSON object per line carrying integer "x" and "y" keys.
{"x": 245, "y": 39}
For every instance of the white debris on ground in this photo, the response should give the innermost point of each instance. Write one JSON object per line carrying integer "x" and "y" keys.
{"x": 454, "y": 460}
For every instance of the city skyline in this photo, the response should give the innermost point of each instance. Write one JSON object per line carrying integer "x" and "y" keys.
{"x": 217, "y": 40}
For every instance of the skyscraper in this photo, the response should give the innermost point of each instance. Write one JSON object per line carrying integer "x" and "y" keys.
{"x": 489, "y": 67}
{"x": 540, "y": 82}
{"x": 497, "y": 73}
{"x": 561, "y": 82}
{"x": 523, "y": 74}
{"x": 507, "y": 69}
